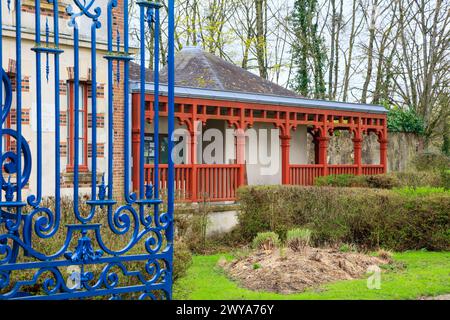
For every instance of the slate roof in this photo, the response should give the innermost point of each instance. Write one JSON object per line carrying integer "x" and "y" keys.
{"x": 196, "y": 68}
{"x": 135, "y": 73}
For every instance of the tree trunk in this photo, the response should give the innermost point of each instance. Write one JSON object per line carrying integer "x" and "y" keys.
{"x": 260, "y": 39}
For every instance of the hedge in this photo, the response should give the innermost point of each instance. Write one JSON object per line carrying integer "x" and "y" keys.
{"x": 435, "y": 179}
{"x": 369, "y": 218}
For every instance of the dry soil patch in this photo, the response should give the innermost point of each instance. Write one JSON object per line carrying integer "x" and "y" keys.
{"x": 289, "y": 272}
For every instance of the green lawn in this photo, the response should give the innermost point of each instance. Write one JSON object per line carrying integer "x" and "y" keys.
{"x": 423, "y": 274}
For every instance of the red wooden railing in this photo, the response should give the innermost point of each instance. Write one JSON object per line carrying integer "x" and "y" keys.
{"x": 305, "y": 175}
{"x": 372, "y": 169}
{"x": 181, "y": 181}
{"x": 220, "y": 182}
{"x": 217, "y": 182}
{"x": 214, "y": 182}
{"x": 342, "y": 169}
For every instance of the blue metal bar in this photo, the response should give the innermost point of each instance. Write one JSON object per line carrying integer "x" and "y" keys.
{"x": 76, "y": 119}
{"x": 142, "y": 103}
{"x": 57, "y": 117}
{"x": 129, "y": 197}
{"x": 35, "y": 200}
{"x": 111, "y": 5}
{"x": 94, "y": 109}
{"x": 18, "y": 111}
{"x": 171, "y": 123}
{"x": 156, "y": 105}
{"x": 1, "y": 96}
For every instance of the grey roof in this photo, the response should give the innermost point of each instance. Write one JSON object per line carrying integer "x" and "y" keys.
{"x": 199, "y": 69}
{"x": 224, "y": 95}
{"x": 135, "y": 73}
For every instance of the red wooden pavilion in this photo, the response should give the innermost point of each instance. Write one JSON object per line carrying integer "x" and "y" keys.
{"x": 209, "y": 88}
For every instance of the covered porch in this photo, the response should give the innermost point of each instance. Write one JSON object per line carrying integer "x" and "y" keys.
{"x": 293, "y": 118}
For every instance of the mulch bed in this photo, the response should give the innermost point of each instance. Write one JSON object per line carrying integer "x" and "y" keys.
{"x": 289, "y": 272}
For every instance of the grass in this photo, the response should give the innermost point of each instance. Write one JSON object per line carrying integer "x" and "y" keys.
{"x": 423, "y": 274}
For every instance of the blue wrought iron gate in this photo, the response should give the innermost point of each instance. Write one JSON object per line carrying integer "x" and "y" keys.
{"x": 83, "y": 248}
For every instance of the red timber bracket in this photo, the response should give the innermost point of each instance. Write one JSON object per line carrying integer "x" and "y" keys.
{"x": 190, "y": 121}
{"x": 320, "y": 134}
{"x": 240, "y": 126}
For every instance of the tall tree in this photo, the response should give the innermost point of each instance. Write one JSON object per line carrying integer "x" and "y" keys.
{"x": 261, "y": 40}
{"x": 308, "y": 50}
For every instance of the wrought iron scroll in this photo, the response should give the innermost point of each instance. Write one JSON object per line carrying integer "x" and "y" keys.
{"x": 87, "y": 261}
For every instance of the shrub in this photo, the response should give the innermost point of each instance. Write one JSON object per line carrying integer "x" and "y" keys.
{"x": 417, "y": 179}
{"x": 182, "y": 259}
{"x": 298, "y": 239}
{"x": 445, "y": 176}
{"x": 381, "y": 181}
{"x": 191, "y": 224}
{"x": 388, "y": 181}
{"x": 342, "y": 180}
{"x": 431, "y": 162}
{"x": 266, "y": 241}
{"x": 369, "y": 218}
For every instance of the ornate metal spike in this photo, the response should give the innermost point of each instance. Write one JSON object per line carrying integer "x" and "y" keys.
{"x": 102, "y": 187}
{"x": 47, "y": 36}
{"x": 9, "y": 195}
{"x": 150, "y": 17}
{"x": 149, "y": 191}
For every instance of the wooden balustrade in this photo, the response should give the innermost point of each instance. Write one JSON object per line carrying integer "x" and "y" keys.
{"x": 214, "y": 182}
{"x": 305, "y": 175}
{"x": 220, "y": 182}
{"x": 372, "y": 169}
{"x": 342, "y": 169}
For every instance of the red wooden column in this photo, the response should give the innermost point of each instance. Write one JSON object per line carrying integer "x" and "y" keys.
{"x": 357, "y": 149}
{"x": 323, "y": 148}
{"x": 136, "y": 140}
{"x": 316, "y": 150}
{"x": 240, "y": 151}
{"x": 285, "y": 155}
{"x": 193, "y": 130}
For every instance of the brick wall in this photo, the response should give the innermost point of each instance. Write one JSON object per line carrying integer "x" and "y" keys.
{"x": 118, "y": 118}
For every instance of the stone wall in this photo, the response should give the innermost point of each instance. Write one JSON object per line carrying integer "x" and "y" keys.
{"x": 402, "y": 147}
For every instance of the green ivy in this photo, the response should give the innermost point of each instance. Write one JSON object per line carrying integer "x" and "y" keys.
{"x": 400, "y": 120}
